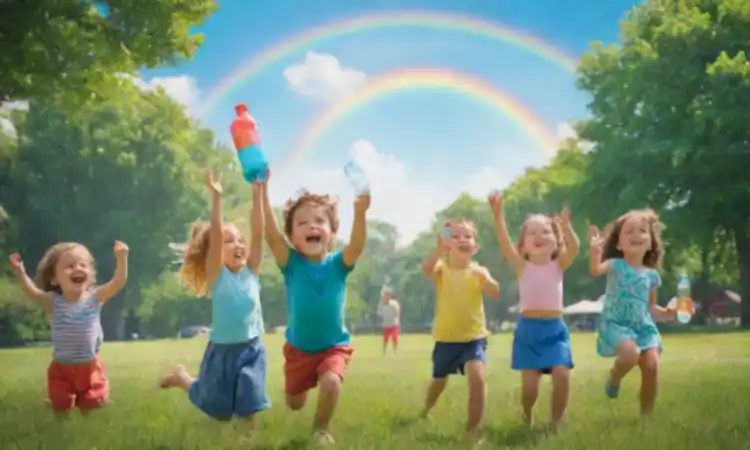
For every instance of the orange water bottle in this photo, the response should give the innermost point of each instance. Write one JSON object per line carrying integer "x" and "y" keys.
{"x": 247, "y": 142}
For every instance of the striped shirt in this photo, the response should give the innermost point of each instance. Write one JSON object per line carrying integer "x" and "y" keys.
{"x": 76, "y": 329}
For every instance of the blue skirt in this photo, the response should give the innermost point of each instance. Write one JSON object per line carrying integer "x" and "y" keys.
{"x": 541, "y": 344}
{"x": 232, "y": 380}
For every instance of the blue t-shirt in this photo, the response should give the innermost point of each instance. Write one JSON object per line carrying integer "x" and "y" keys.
{"x": 316, "y": 299}
{"x": 235, "y": 309}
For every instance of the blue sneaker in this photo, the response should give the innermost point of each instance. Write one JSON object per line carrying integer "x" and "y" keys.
{"x": 611, "y": 391}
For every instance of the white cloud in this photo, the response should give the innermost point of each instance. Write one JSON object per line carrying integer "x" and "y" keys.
{"x": 322, "y": 76}
{"x": 566, "y": 131}
{"x": 182, "y": 88}
{"x": 396, "y": 198}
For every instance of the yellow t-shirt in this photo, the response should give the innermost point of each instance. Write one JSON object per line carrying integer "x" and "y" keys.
{"x": 459, "y": 306}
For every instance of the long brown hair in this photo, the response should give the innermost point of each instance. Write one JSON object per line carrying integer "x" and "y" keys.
{"x": 653, "y": 256}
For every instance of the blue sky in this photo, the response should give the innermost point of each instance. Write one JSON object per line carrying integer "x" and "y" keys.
{"x": 432, "y": 143}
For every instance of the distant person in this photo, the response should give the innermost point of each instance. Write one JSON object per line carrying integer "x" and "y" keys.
{"x": 459, "y": 326}
{"x": 389, "y": 311}
{"x": 65, "y": 289}
{"x": 629, "y": 251}
{"x": 232, "y": 377}
{"x": 546, "y": 247}
{"x": 318, "y": 345}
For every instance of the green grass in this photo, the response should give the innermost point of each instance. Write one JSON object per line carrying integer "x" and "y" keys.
{"x": 703, "y": 404}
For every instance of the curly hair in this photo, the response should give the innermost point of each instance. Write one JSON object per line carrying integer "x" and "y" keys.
{"x": 553, "y": 223}
{"x": 328, "y": 202}
{"x": 654, "y": 254}
{"x": 46, "y": 269}
{"x": 193, "y": 270}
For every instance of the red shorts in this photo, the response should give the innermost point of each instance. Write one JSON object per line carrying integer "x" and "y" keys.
{"x": 82, "y": 385}
{"x": 390, "y": 333}
{"x": 302, "y": 369}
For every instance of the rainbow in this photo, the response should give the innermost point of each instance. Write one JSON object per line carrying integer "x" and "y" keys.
{"x": 412, "y": 79}
{"x": 417, "y": 19}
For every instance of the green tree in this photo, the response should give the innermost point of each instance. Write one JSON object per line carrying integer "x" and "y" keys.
{"x": 52, "y": 49}
{"x": 669, "y": 118}
{"x": 124, "y": 168}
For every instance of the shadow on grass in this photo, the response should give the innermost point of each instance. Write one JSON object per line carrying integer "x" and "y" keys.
{"x": 515, "y": 436}
{"x": 294, "y": 444}
{"x": 403, "y": 422}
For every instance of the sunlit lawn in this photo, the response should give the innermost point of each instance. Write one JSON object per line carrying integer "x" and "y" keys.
{"x": 704, "y": 402}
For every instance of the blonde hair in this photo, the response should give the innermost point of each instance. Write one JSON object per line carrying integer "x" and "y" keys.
{"x": 328, "y": 202}
{"x": 553, "y": 223}
{"x": 193, "y": 270}
{"x": 46, "y": 269}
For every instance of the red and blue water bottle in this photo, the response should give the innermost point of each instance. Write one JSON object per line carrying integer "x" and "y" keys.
{"x": 247, "y": 142}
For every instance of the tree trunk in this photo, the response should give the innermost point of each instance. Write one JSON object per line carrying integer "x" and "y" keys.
{"x": 742, "y": 241}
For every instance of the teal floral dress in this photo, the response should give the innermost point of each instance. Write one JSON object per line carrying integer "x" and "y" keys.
{"x": 626, "y": 314}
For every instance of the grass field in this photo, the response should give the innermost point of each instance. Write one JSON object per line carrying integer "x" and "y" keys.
{"x": 704, "y": 402}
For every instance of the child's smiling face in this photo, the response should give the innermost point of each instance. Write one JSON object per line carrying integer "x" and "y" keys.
{"x": 74, "y": 272}
{"x": 635, "y": 235}
{"x": 311, "y": 229}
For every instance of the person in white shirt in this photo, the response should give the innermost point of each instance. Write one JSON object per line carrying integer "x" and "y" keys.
{"x": 390, "y": 312}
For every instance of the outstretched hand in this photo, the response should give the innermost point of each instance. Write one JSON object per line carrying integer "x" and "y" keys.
{"x": 121, "y": 249}
{"x": 362, "y": 203}
{"x": 16, "y": 263}
{"x": 495, "y": 200}
{"x": 596, "y": 241}
{"x": 212, "y": 183}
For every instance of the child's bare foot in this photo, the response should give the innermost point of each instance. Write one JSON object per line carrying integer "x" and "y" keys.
{"x": 323, "y": 437}
{"x": 474, "y": 436}
{"x": 175, "y": 377}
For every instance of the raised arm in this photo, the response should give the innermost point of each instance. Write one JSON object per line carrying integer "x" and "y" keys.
{"x": 358, "y": 238}
{"x": 430, "y": 263}
{"x": 596, "y": 265}
{"x": 501, "y": 232}
{"x": 572, "y": 244}
{"x": 28, "y": 287}
{"x": 255, "y": 255}
{"x": 113, "y": 286}
{"x": 214, "y": 256}
{"x": 274, "y": 237}
{"x": 490, "y": 286}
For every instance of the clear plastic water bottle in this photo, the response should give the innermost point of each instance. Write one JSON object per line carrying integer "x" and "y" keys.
{"x": 684, "y": 301}
{"x": 447, "y": 232}
{"x": 357, "y": 178}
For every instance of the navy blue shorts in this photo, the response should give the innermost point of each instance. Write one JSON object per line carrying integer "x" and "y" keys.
{"x": 541, "y": 344}
{"x": 232, "y": 380}
{"x": 449, "y": 358}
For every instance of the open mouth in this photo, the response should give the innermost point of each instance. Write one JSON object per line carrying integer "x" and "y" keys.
{"x": 239, "y": 254}
{"x": 79, "y": 278}
{"x": 313, "y": 239}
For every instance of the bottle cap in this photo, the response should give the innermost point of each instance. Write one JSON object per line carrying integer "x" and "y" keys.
{"x": 241, "y": 109}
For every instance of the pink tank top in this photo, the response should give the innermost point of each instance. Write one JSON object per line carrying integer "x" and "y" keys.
{"x": 541, "y": 287}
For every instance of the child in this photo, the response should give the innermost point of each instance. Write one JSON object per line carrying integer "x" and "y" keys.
{"x": 541, "y": 341}
{"x": 66, "y": 273}
{"x": 390, "y": 313}
{"x": 318, "y": 348}
{"x": 630, "y": 253}
{"x": 459, "y": 326}
{"x": 232, "y": 377}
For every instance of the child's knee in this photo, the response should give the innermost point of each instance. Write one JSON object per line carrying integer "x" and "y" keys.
{"x": 330, "y": 382}
{"x": 296, "y": 402}
{"x": 530, "y": 380}
{"x": 649, "y": 362}
{"x": 560, "y": 374}
{"x": 475, "y": 371}
{"x": 628, "y": 353}
{"x": 438, "y": 384}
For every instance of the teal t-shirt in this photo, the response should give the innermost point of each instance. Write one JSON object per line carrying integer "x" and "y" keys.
{"x": 236, "y": 311}
{"x": 316, "y": 299}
